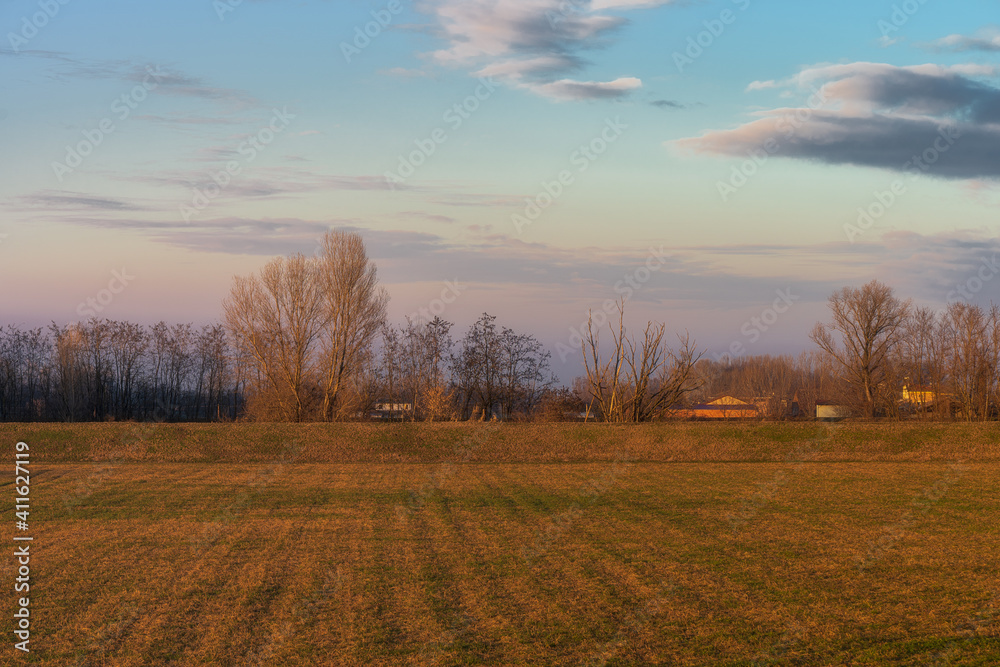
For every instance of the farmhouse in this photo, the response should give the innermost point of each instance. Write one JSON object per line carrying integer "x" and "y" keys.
{"x": 726, "y": 407}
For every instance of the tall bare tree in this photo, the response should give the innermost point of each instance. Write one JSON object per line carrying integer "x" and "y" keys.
{"x": 354, "y": 309}
{"x": 869, "y": 323}
{"x": 308, "y": 324}
{"x": 966, "y": 330}
{"x": 278, "y": 317}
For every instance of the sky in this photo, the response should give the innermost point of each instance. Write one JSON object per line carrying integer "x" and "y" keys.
{"x": 722, "y": 165}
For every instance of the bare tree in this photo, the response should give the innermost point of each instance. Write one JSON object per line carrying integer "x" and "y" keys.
{"x": 642, "y": 380}
{"x": 355, "y": 307}
{"x": 868, "y": 321}
{"x": 966, "y": 328}
{"x": 69, "y": 371}
{"x": 128, "y": 346}
{"x": 920, "y": 360}
{"x": 308, "y": 325}
{"x": 278, "y": 317}
{"x": 499, "y": 373}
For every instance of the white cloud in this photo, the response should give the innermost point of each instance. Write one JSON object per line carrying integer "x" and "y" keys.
{"x": 532, "y": 44}
{"x": 987, "y": 39}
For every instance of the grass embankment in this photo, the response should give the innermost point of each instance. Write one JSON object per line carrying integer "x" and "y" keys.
{"x": 507, "y": 443}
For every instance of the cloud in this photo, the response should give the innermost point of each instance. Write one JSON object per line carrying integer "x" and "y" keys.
{"x": 667, "y": 104}
{"x": 598, "y": 5}
{"x": 567, "y": 89}
{"x": 423, "y": 215}
{"x": 987, "y": 40}
{"x": 173, "y": 82}
{"x": 533, "y": 44}
{"x": 928, "y": 267}
{"x": 169, "y": 81}
{"x": 62, "y": 199}
{"x": 262, "y": 182}
{"x": 878, "y": 115}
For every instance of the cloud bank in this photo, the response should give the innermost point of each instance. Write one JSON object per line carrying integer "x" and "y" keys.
{"x": 878, "y": 115}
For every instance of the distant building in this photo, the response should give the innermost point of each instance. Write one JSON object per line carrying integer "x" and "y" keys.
{"x": 918, "y": 395}
{"x": 389, "y": 411}
{"x": 829, "y": 412}
{"x": 726, "y": 407}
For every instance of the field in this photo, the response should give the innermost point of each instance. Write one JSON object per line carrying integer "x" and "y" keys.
{"x": 579, "y": 544}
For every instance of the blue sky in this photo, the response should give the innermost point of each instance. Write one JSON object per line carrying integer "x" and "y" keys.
{"x": 200, "y": 79}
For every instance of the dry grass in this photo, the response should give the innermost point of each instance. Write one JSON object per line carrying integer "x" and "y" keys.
{"x": 509, "y": 443}
{"x": 630, "y": 563}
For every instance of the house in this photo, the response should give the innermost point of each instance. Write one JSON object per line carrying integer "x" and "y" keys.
{"x": 390, "y": 411}
{"x": 726, "y": 407}
{"x": 831, "y": 412}
{"x": 918, "y": 395}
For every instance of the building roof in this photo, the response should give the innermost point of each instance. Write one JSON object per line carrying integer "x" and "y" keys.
{"x": 742, "y": 407}
{"x": 727, "y": 400}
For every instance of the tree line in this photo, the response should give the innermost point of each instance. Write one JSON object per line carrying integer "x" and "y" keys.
{"x": 105, "y": 370}
{"x": 306, "y": 338}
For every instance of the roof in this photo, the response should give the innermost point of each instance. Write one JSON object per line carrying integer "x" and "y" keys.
{"x": 727, "y": 400}
{"x": 742, "y": 407}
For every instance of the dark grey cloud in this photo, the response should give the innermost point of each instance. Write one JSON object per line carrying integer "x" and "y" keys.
{"x": 880, "y": 116}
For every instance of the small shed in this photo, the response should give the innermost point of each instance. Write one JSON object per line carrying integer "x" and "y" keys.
{"x": 831, "y": 412}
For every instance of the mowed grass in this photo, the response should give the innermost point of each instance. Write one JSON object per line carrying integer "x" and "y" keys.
{"x": 509, "y": 443}
{"x": 619, "y": 562}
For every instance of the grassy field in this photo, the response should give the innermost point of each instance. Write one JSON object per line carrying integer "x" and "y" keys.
{"x": 702, "y": 544}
